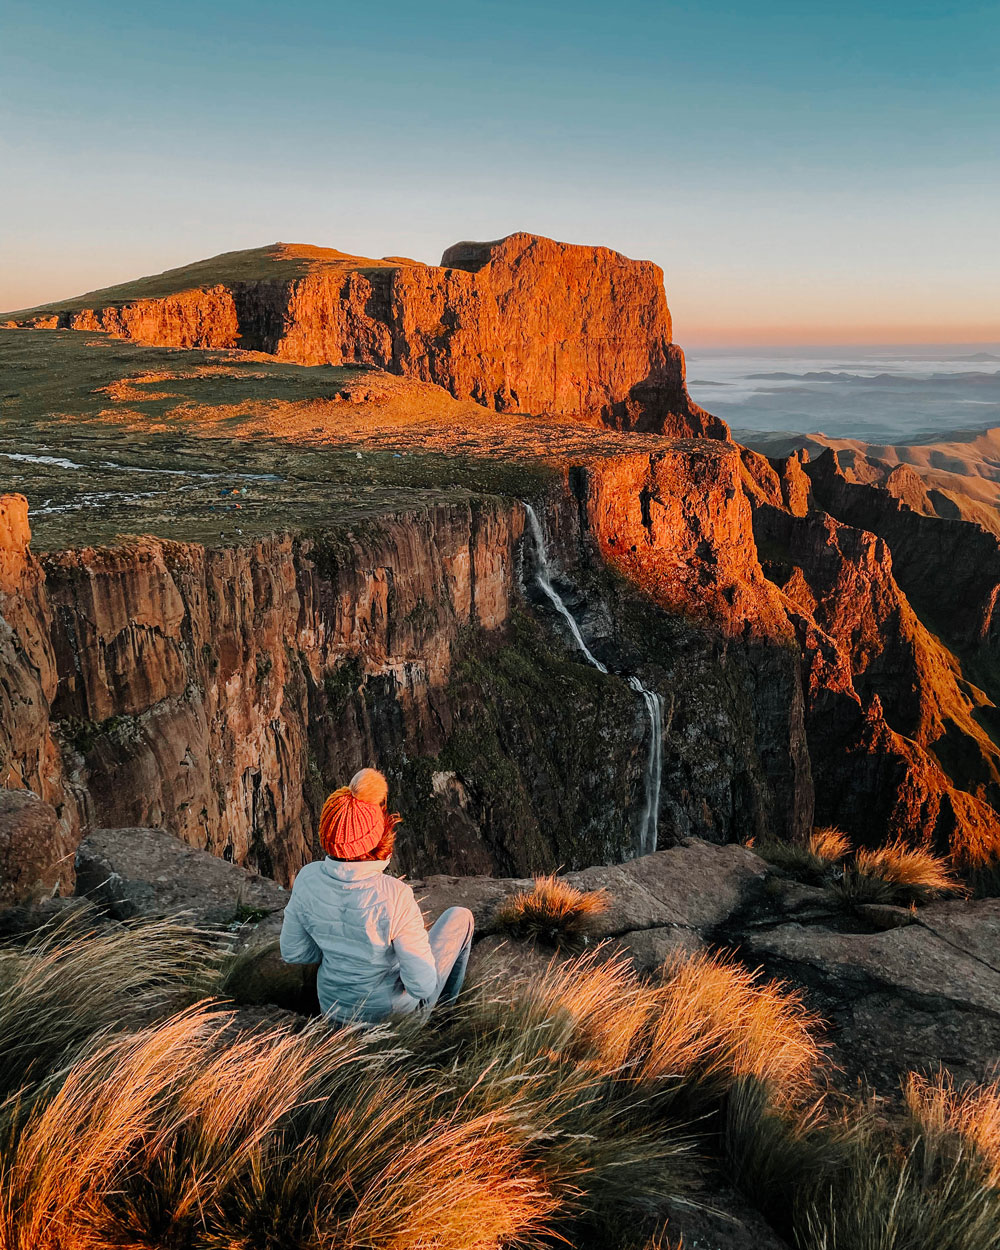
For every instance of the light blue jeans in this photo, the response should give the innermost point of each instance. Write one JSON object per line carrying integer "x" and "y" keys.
{"x": 451, "y": 941}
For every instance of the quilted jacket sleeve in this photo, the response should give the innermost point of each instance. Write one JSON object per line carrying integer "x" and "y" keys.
{"x": 412, "y": 948}
{"x": 297, "y": 947}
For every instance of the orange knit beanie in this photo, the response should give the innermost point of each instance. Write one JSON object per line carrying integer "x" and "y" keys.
{"x": 352, "y": 821}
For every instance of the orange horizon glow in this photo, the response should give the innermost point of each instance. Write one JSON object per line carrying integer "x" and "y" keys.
{"x": 703, "y": 336}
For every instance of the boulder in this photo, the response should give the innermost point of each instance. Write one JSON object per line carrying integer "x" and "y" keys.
{"x": 696, "y": 886}
{"x": 482, "y": 896}
{"x": 149, "y": 872}
{"x": 259, "y": 977}
{"x": 33, "y": 860}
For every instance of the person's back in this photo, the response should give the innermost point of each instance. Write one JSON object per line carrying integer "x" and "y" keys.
{"x": 365, "y": 928}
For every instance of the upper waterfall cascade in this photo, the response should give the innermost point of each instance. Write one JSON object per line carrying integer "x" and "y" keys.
{"x": 651, "y": 700}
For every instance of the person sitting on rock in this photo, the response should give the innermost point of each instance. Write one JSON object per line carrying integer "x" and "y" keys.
{"x": 364, "y": 928}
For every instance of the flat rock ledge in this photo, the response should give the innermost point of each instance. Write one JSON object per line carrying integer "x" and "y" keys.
{"x": 918, "y": 997}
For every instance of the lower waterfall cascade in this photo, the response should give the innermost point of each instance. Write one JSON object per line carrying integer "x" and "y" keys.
{"x": 650, "y": 699}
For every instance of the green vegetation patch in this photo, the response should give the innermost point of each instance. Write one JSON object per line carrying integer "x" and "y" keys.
{"x": 543, "y": 796}
{"x": 89, "y": 481}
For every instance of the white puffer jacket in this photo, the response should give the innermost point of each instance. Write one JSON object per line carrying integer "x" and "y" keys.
{"x": 367, "y": 934}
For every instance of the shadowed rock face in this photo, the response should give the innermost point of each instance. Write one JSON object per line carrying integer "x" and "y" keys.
{"x": 895, "y": 726}
{"x": 29, "y": 755}
{"x": 198, "y": 688}
{"x": 523, "y": 324}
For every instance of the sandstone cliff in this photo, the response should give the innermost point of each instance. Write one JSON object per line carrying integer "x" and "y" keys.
{"x": 523, "y": 324}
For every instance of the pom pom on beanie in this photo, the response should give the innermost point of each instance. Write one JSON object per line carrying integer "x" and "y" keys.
{"x": 369, "y": 786}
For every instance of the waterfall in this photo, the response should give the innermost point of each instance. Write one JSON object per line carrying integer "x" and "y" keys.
{"x": 651, "y": 700}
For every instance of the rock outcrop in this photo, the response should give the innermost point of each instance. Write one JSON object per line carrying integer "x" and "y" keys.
{"x": 148, "y": 872}
{"x": 36, "y": 855}
{"x": 914, "y": 998}
{"x": 897, "y": 728}
{"x": 30, "y": 758}
{"x": 522, "y": 324}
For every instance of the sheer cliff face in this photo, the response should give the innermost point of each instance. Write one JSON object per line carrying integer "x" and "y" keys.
{"x": 29, "y": 754}
{"x": 523, "y": 324}
{"x": 221, "y": 692}
{"x": 196, "y": 686}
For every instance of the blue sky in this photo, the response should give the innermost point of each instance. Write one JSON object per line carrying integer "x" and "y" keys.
{"x": 802, "y": 172}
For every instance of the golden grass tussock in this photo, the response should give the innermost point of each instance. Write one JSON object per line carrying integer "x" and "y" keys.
{"x": 898, "y": 873}
{"x": 570, "y": 1103}
{"x": 779, "y": 1148}
{"x": 718, "y": 1022}
{"x": 70, "y": 982}
{"x": 914, "y": 873}
{"x": 64, "y": 1148}
{"x": 184, "y": 1135}
{"x": 968, "y": 1117}
{"x": 829, "y": 844}
{"x": 707, "y": 1019}
{"x": 553, "y": 912}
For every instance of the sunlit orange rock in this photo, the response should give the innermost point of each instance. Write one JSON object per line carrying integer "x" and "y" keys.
{"x": 522, "y": 324}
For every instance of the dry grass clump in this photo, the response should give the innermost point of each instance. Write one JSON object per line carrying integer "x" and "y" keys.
{"x": 627, "y": 1066}
{"x": 186, "y": 1135}
{"x": 780, "y": 1145}
{"x": 835, "y": 1176}
{"x": 830, "y": 844}
{"x": 967, "y": 1119}
{"x": 553, "y": 912}
{"x": 568, "y": 1040}
{"x": 898, "y": 873}
{"x": 707, "y": 1020}
{"x": 67, "y": 984}
{"x": 932, "y": 1184}
{"x": 813, "y": 861}
{"x": 718, "y": 1022}
{"x": 914, "y": 874}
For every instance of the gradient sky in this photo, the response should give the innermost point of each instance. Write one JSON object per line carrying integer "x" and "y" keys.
{"x": 803, "y": 172}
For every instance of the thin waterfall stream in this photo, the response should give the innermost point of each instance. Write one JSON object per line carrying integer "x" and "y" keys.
{"x": 651, "y": 700}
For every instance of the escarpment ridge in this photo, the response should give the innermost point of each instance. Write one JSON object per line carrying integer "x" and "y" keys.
{"x": 522, "y": 324}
